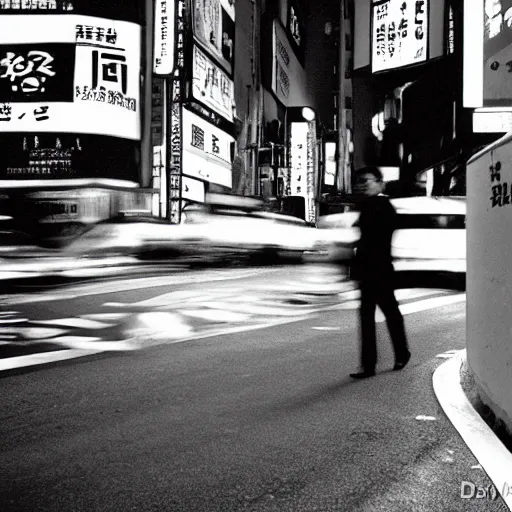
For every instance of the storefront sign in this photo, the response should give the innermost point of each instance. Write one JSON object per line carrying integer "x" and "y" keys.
{"x": 288, "y": 75}
{"x": 73, "y": 73}
{"x": 164, "y": 37}
{"x": 399, "y": 33}
{"x": 192, "y": 190}
{"x": 211, "y": 86}
{"x": 214, "y": 28}
{"x": 206, "y": 151}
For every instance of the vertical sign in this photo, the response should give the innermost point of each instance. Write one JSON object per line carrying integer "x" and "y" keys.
{"x": 175, "y": 135}
{"x": 164, "y": 37}
{"x": 302, "y": 165}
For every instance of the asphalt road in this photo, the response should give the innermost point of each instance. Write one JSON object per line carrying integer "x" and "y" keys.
{"x": 265, "y": 419}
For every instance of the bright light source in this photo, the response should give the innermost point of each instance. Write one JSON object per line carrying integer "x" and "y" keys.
{"x": 308, "y": 114}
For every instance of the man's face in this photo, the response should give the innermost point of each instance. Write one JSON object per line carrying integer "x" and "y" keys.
{"x": 368, "y": 185}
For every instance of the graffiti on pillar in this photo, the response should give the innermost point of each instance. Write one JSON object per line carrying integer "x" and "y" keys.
{"x": 500, "y": 191}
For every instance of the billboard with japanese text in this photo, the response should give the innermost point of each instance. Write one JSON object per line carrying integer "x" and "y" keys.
{"x": 211, "y": 86}
{"x": 126, "y": 10}
{"x": 214, "y": 29}
{"x": 288, "y": 76}
{"x": 163, "y": 59}
{"x": 72, "y": 74}
{"x": 399, "y": 33}
{"x": 207, "y": 151}
{"x": 302, "y": 165}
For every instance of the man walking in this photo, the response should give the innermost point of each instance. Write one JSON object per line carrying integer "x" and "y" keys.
{"x": 375, "y": 272}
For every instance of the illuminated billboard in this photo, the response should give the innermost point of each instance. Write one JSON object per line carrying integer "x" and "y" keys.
{"x": 302, "y": 165}
{"x": 71, "y": 74}
{"x": 399, "y": 34}
{"x": 163, "y": 59}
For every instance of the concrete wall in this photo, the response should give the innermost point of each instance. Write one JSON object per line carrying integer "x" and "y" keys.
{"x": 489, "y": 276}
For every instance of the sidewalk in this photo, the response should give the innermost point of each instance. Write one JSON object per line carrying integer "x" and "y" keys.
{"x": 456, "y": 394}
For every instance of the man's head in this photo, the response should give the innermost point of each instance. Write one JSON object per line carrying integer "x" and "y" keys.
{"x": 369, "y": 181}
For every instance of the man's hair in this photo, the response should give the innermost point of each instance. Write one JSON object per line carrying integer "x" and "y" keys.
{"x": 374, "y": 171}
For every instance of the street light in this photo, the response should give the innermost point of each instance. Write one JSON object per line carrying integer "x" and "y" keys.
{"x": 308, "y": 114}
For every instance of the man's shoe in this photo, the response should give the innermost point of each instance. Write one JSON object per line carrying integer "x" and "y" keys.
{"x": 363, "y": 375}
{"x": 400, "y": 365}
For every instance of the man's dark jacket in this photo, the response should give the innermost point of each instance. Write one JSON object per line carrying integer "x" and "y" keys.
{"x": 377, "y": 222}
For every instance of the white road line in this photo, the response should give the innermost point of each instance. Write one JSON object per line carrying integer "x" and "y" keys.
{"x": 11, "y": 363}
{"x": 490, "y": 452}
{"x": 325, "y": 328}
{"x": 105, "y": 317}
{"x": 90, "y": 343}
{"x": 39, "y": 333}
{"x": 216, "y": 315}
{"x": 81, "y": 323}
{"x": 257, "y": 309}
{"x": 13, "y": 321}
{"x": 123, "y": 285}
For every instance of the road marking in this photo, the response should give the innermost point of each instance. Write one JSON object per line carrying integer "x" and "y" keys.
{"x": 92, "y": 343}
{"x": 123, "y": 285}
{"x": 421, "y": 417}
{"x": 12, "y": 363}
{"x": 216, "y": 315}
{"x": 39, "y": 333}
{"x": 80, "y": 323}
{"x": 325, "y": 328}
{"x": 489, "y": 451}
{"x": 105, "y": 317}
{"x": 447, "y": 354}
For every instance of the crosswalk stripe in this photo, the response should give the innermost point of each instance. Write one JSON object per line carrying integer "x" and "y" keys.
{"x": 81, "y": 323}
{"x": 217, "y": 315}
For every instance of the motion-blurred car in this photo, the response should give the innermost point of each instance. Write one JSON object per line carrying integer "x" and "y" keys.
{"x": 239, "y": 227}
{"x": 429, "y": 243}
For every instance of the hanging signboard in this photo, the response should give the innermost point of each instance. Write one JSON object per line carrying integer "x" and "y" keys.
{"x": 164, "y": 37}
{"x": 214, "y": 28}
{"x": 72, "y": 74}
{"x": 399, "y": 33}
{"x": 206, "y": 151}
{"x": 211, "y": 86}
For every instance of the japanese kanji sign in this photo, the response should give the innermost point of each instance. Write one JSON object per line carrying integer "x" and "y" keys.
{"x": 74, "y": 74}
{"x": 212, "y": 86}
{"x": 164, "y": 37}
{"x": 399, "y": 33}
{"x": 206, "y": 150}
{"x": 214, "y": 28}
{"x": 302, "y": 165}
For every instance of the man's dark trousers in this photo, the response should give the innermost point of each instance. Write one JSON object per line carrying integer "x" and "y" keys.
{"x": 378, "y": 290}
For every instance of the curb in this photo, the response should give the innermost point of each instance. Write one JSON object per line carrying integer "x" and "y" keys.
{"x": 491, "y": 453}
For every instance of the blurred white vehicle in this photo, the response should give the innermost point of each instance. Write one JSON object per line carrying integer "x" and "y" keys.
{"x": 234, "y": 225}
{"x": 430, "y": 237}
